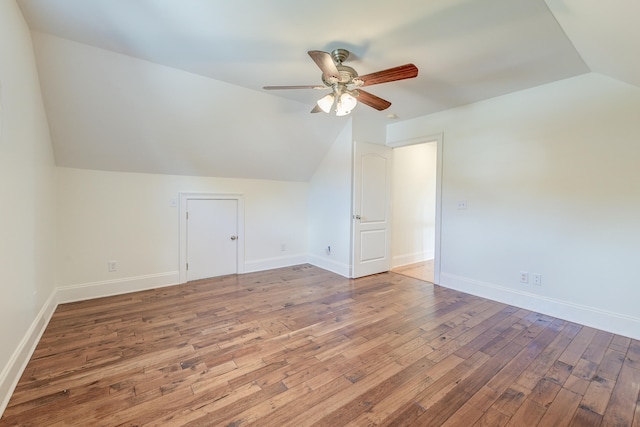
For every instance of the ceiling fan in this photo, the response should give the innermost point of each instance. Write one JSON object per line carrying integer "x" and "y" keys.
{"x": 346, "y": 84}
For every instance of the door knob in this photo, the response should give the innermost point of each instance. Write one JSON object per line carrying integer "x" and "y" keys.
{"x": 234, "y": 237}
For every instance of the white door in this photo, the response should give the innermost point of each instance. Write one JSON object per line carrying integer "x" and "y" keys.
{"x": 371, "y": 209}
{"x": 212, "y": 238}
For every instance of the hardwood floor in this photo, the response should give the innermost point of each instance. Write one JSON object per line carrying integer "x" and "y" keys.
{"x": 422, "y": 270}
{"x": 301, "y": 346}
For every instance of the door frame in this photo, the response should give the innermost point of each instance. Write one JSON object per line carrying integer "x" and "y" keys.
{"x": 184, "y": 198}
{"x": 438, "y": 139}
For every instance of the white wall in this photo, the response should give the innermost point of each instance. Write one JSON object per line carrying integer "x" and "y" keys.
{"x": 414, "y": 203}
{"x": 128, "y": 217}
{"x": 27, "y": 194}
{"x": 330, "y": 207}
{"x": 552, "y": 184}
{"x": 369, "y": 127}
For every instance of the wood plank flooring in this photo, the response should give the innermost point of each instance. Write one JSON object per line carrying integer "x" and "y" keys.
{"x": 301, "y": 346}
{"x": 422, "y": 270}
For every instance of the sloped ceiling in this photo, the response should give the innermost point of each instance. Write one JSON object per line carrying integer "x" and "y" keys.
{"x": 605, "y": 33}
{"x": 168, "y": 86}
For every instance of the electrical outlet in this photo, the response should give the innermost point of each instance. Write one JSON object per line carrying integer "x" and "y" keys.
{"x": 283, "y": 247}
{"x": 112, "y": 266}
{"x": 524, "y": 277}
{"x": 537, "y": 279}
{"x": 462, "y": 204}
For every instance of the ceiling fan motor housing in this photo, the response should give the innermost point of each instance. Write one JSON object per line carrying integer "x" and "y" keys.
{"x": 347, "y": 74}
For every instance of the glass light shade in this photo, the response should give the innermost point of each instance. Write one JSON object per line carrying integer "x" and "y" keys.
{"x": 346, "y": 103}
{"x": 325, "y": 103}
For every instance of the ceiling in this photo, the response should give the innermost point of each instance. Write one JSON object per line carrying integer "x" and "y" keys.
{"x": 168, "y": 86}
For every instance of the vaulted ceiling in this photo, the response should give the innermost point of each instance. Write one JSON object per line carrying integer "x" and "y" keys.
{"x": 175, "y": 86}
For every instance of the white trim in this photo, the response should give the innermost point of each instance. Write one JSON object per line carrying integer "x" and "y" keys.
{"x": 616, "y": 323}
{"x": 328, "y": 264}
{"x": 125, "y": 285}
{"x": 438, "y": 138}
{"x": 184, "y": 197}
{"x": 20, "y": 358}
{"x": 275, "y": 262}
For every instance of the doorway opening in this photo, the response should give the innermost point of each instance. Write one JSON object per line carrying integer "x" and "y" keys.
{"x": 415, "y": 229}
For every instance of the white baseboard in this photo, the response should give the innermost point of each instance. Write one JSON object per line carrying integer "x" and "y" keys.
{"x": 18, "y": 362}
{"x": 406, "y": 259}
{"x": 616, "y": 323}
{"x": 271, "y": 263}
{"x": 124, "y": 285}
{"x": 328, "y": 264}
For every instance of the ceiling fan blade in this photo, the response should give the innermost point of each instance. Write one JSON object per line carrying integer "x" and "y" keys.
{"x": 295, "y": 87}
{"x": 317, "y": 109}
{"x": 325, "y": 62}
{"x": 373, "y": 101}
{"x": 407, "y": 71}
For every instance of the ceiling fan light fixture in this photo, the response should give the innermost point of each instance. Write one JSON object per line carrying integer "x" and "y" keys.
{"x": 346, "y": 103}
{"x": 326, "y": 102}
